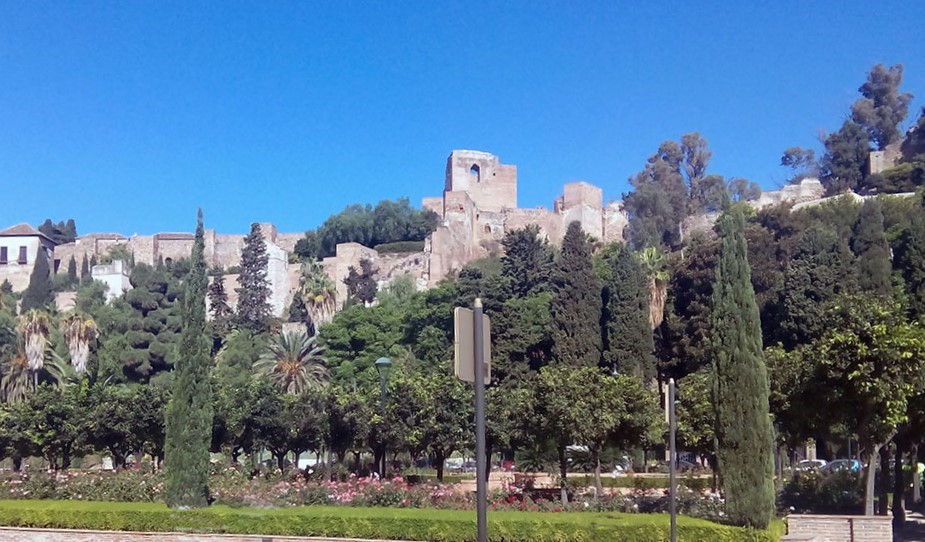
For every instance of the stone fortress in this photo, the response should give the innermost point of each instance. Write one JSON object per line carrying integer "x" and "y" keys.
{"x": 477, "y": 207}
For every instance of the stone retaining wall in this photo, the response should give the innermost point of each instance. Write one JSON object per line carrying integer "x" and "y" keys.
{"x": 840, "y": 528}
{"x": 9, "y": 534}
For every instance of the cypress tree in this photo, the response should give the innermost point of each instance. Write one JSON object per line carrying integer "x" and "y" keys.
{"x": 253, "y": 310}
{"x": 188, "y": 417}
{"x": 628, "y": 341}
{"x": 872, "y": 249}
{"x": 576, "y": 304}
{"x": 40, "y": 292}
{"x": 744, "y": 436}
{"x": 72, "y": 272}
{"x": 93, "y": 263}
{"x": 527, "y": 261}
{"x": 6, "y": 287}
{"x": 85, "y": 276}
{"x": 361, "y": 285}
{"x": 218, "y": 299}
{"x": 910, "y": 259}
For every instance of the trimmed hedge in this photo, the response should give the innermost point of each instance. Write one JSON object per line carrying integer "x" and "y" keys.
{"x": 385, "y": 523}
{"x": 400, "y": 247}
{"x": 646, "y": 482}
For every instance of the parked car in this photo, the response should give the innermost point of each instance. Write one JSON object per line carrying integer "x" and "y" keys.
{"x": 811, "y": 464}
{"x": 842, "y": 465}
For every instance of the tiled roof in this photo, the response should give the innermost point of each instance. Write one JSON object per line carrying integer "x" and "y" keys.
{"x": 22, "y": 230}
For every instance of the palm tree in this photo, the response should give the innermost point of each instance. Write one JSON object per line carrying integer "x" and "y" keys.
{"x": 78, "y": 333}
{"x": 19, "y": 380}
{"x": 655, "y": 267}
{"x": 293, "y": 362}
{"x": 34, "y": 327}
{"x": 16, "y": 384}
{"x": 319, "y": 294}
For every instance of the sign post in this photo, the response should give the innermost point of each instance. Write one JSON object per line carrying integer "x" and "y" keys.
{"x": 473, "y": 364}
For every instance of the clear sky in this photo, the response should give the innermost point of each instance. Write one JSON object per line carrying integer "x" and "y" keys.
{"x": 127, "y": 116}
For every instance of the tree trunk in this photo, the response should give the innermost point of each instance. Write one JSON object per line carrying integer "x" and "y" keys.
{"x": 883, "y": 505}
{"x": 899, "y": 487}
{"x": 563, "y": 473}
{"x": 329, "y": 466}
{"x": 487, "y": 472}
{"x": 598, "y": 485}
{"x": 870, "y": 477}
{"x": 17, "y": 462}
{"x": 439, "y": 461}
{"x": 916, "y": 476}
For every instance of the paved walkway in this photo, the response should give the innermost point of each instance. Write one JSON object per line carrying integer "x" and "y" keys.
{"x": 913, "y": 530}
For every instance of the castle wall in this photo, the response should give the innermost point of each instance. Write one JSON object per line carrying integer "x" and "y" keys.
{"x": 493, "y": 186}
{"x": 582, "y": 202}
{"x": 434, "y": 204}
{"x": 615, "y": 222}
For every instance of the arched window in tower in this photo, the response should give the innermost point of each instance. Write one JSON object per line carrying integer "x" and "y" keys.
{"x": 475, "y": 172}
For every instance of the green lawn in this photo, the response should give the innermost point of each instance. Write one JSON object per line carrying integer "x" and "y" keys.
{"x": 388, "y": 523}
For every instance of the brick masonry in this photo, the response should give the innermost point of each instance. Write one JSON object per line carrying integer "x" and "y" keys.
{"x": 840, "y": 528}
{"x": 9, "y": 534}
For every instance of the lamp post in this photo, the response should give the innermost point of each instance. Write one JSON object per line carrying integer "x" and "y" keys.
{"x": 383, "y": 366}
{"x": 673, "y": 462}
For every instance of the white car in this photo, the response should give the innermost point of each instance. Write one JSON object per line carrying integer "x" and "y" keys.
{"x": 811, "y": 464}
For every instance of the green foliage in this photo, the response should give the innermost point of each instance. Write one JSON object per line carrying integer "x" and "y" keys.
{"x": 659, "y": 201}
{"x": 883, "y": 107}
{"x": 293, "y": 362}
{"x": 400, "y": 247}
{"x": 388, "y": 222}
{"x": 812, "y": 493}
{"x": 627, "y": 337}
{"x": 905, "y": 177}
{"x": 873, "y": 251}
{"x": 61, "y": 232}
{"x": 910, "y": 260}
{"x": 821, "y": 268}
{"x": 85, "y": 276}
{"x": 362, "y": 285}
{"x": 297, "y": 312}
{"x": 576, "y": 304}
{"x": 740, "y": 388}
{"x": 253, "y": 311}
{"x": 40, "y": 292}
{"x": 528, "y": 261}
{"x": 368, "y": 523}
{"x": 72, "y": 278}
{"x": 695, "y": 414}
{"x": 845, "y": 161}
{"x": 189, "y": 412}
{"x": 139, "y": 331}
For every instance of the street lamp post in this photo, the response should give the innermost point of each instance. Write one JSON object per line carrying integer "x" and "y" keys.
{"x": 673, "y": 462}
{"x": 383, "y": 365}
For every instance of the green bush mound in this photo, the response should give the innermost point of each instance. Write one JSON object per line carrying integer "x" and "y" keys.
{"x": 384, "y": 523}
{"x": 399, "y": 247}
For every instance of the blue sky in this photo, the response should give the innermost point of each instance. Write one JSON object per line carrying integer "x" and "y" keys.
{"x": 127, "y": 116}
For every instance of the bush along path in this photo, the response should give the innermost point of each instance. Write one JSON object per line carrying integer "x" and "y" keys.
{"x": 370, "y": 523}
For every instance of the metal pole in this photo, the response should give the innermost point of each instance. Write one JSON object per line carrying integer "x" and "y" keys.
{"x": 480, "y": 482}
{"x": 382, "y": 392}
{"x": 672, "y": 469}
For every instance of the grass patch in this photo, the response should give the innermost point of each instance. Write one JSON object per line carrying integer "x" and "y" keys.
{"x": 386, "y": 523}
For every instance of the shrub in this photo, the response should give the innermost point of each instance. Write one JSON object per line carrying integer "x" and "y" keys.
{"x": 400, "y": 247}
{"x": 811, "y": 492}
{"x": 383, "y": 523}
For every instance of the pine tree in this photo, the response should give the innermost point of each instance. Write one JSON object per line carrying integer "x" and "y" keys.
{"x": 628, "y": 341}
{"x": 188, "y": 417}
{"x": 873, "y": 250}
{"x": 744, "y": 437}
{"x": 218, "y": 300}
{"x": 72, "y": 271}
{"x": 85, "y": 276}
{"x": 40, "y": 292}
{"x": 576, "y": 305}
{"x": 253, "y": 310}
